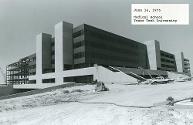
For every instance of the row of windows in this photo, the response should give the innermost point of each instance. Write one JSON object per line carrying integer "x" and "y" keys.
{"x": 97, "y": 53}
{"x": 186, "y": 60}
{"x": 113, "y": 55}
{"x": 79, "y": 44}
{"x": 115, "y": 47}
{"x": 116, "y": 51}
{"x": 79, "y": 79}
{"x": 110, "y": 59}
{"x": 32, "y": 81}
{"x": 165, "y": 60}
{"x": 113, "y": 42}
{"x": 79, "y": 55}
{"x": 168, "y": 66}
{"x": 110, "y": 37}
{"x": 167, "y": 55}
{"x": 78, "y": 33}
{"x": 32, "y": 73}
{"x": 52, "y": 80}
{"x": 83, "y": 65}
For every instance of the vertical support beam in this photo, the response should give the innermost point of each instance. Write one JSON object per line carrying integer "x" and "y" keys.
{"x": 43, "y": 55}
{"x": 46, "y": 53}
{"x": 180, "y": 61}
{"x": 182, "y": 57}
{"x": 63, "y": 48}
{"x": 154, "y": 57}
{"x": 38, "y": 58}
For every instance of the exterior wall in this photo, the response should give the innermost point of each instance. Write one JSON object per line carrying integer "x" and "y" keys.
{"x": 63, "y": 45}
{"x": 18, "y": 72}
{"x": 63, "y": 48}
{"x": 85, "y": 46}
{"x": 46, "y": 53}
{"x": 32, "y": 64}
{"x": 96, "y": 46}
{"x": 153, "y": 50}
{"x": 187, "y": 66}
{"x": 168, "y": 62}
{"x": 53, "y": 54}
{"x": 183, "y": 64}
{"x": 158, "y": 59}
{"x": 99, "y": 73}
{"x": 43, "y": 54}
{"x": 78, "y": 46}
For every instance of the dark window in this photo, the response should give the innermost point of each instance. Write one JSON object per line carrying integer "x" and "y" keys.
{"x": 78, "y": 33}
{"x": 32, "y": 81}
{"x": 79, "y": 79}
{"x": 52, "y": 61}
{"x": 79, "y": 55}
{"x": 52, "y": 43}
{"x": 53, "y": 52}
{"x": 67, "y": 67}
{"x": 52, "y": 80}
{"x": 78, "y": 44}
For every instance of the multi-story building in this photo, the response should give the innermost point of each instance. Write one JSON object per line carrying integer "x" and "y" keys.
{"x": 95, "y": 46}
{"x": 72, "y": 54}
{"x": 18, "y": 72}
{"x": 159, "y": 59}
{"x": 183, "y": 64}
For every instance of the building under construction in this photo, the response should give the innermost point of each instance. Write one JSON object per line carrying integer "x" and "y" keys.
{"x": 18, "y": 72}
{"x": 71, "y": 55}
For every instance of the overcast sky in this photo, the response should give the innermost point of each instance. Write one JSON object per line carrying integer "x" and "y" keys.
{"x": 22, "y": 20}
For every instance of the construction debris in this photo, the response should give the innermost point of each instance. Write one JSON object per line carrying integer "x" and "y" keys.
{"x": 100, "y": 86}
{"x": 170, "y": 101}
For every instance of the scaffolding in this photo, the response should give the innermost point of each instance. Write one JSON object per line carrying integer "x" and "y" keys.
{"x": 18, "y": 72}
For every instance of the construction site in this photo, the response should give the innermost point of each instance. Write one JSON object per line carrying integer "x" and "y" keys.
{"x": 84, "y": 54}
{"x": 84, "y": 74}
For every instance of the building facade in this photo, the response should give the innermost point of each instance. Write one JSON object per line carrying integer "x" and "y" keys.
{"x": 19, "y": 72}
{"x": 95, "y": 46}
{"x": 72, "y": 54}
{"x": 159, "y": 59}
{"x": 183, "y": 64}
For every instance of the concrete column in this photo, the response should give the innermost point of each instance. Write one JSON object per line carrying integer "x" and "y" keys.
{"x": 153, "y": 51}
{"x": 63, "y": 48}
{"x": 38, "y": 58}
{"x": 43, "y": 55}
{"x": 180, "y": 61}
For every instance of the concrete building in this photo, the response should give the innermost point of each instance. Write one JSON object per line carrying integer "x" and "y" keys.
{"x": 183, "y": 64}
{"x": 86, "y": 53}
{"x": 96, "y": 46}
{"x": 159, "y": 59}
{"x": 18, "y": 72}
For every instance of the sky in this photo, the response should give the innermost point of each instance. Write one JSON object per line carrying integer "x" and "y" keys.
{"x": 22, "y": 20}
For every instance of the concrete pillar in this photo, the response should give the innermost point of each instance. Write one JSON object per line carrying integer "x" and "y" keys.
{"x": 43, "y": 54}
{"x": 153, "y": 51}
{"x": 179, "y": 61}
{"x": 63, "y": 48}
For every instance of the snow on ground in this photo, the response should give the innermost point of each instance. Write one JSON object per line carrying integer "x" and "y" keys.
{"x": 80, "y": 105}
{"x": 177, "y": 76}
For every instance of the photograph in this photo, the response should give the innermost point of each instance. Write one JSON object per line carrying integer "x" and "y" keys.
{"x": 96, "y": 62}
